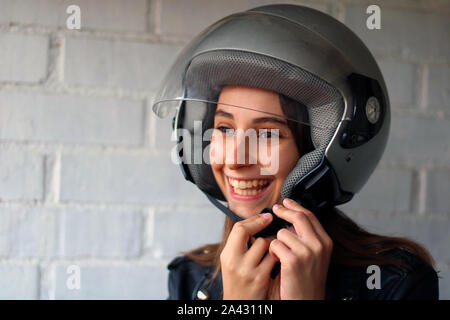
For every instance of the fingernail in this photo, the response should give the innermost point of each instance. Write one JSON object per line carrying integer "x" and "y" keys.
{"x": 266, "y": 215}
{"x": 287, "y": 200}
{"x": 276, "y": 206}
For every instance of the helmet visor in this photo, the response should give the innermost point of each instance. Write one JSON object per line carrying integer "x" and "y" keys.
{"x": 215, "y": 132}
{"x": 285, "y": 111}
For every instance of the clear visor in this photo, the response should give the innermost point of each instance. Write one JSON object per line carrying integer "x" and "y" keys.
{"x": 281, "y": 113}
{"x": 211, "y": 132}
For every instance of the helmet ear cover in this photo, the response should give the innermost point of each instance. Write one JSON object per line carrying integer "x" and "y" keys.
{"x": 361, "y": 128}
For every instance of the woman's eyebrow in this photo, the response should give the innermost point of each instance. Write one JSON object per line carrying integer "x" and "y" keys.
{"x": 256, "y": 120}
{"x": 223, "y": 114}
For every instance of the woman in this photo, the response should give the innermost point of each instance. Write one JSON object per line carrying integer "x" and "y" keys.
{"x": 295, "y": 90}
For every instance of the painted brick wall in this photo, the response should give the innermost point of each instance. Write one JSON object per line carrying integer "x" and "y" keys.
{"x": 85, "y": 171}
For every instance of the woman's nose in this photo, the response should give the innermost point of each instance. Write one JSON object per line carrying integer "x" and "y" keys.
{"x": 241, "y": 151}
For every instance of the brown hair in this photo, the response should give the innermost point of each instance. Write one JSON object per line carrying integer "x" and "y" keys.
{"x": 352, "y": 245}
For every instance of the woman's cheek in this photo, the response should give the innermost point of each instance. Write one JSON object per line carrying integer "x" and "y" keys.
{"x": 269, "y": 158}
{"x": 216, "y": 155}
{"x": 289, "y": 159}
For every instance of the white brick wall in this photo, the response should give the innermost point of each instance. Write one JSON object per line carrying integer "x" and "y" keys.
{"x": 125, "y": 179}
{"x": 21, "y": 281}
{"x": 129, "y": 280}
{"x": 23, "y": 57}
{"x": 85, "y": 175}
{"x": 71, "y": 119}
{"x": 29, "y": 232}
{"x": 117, "y": 15}
{"x": 21, "y": 176}
{"x": 132, "y": 65}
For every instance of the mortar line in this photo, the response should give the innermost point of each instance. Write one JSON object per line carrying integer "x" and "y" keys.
{"x": 422, "y": 192}
{"x": 423, "y": 90}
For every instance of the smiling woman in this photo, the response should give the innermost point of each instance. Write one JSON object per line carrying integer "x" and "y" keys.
{"x": 354, "y": 249}
{"x": 246, "y": 190}
{"x": 294, "y": 133}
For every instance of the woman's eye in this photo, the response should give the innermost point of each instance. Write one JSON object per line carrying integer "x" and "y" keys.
{"x": 263, "y": 133}
{"x": 268, "y": 134}
{"x": 225, "y": 130}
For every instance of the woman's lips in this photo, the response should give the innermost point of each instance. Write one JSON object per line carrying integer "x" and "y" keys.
{"x": 248, "y": 197}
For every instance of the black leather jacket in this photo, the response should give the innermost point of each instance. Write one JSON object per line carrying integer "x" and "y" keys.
{"x": 190, "y": 281}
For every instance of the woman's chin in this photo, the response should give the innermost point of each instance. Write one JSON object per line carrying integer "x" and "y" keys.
{"x": 245, "y": 208}
{"x": 246, "y": 211}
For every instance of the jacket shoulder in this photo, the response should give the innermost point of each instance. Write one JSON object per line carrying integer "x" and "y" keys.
{"x": 184, "y": 276}
{"x": 177, "y": 262}
{"x": 418, "y": 282}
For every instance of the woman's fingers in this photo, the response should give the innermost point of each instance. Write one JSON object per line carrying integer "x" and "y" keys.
{"x": 256, "y": 252}
{"x": 290, "y": 239}
{"x": 281, "y": 251}
{"x": 300, "y": 221}
{"x": 318, "y": 228}
{"x": 267, "y": 263}
{"x": 244, "y": 229}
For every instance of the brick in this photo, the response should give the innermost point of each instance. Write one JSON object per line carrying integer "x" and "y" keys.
{"x": 418, "y": 141}
{"x": 124, "y": 178}
{"x": 438, "y": 186}
{"x": 23, "y": 58}
{"x": 21, "y": 175}
{"x": 191, "y": 17}
{"x": 117, "y": 64}
{"x": 111, "y": 282}
{"x": 401, "y": 79}
{"x": 28, "y": 232}
{"x": 100, "y": 14}
{"x": 70, "y": 119}
{"x": 431, "y": 233}
{"x": 413, "y": 33}
{"x": 100, "y": 233}
{"x": 19, "y": 282}
{"x": 439, "y": 87}
{"x": 185, "y": 229}
{"x": 444, "y": 283}
{"x": 387, "y": 190}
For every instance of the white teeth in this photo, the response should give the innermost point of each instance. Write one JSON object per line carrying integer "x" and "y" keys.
{"x": 247, "y": 187}
{"x": 247, "y": 192}
{"x": 247, "y": 184}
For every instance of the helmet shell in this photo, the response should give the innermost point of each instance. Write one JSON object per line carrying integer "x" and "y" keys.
{"x": 321, "y": 45}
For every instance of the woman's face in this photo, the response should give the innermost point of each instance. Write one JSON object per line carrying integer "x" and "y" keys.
{"x": 245, "y": 184}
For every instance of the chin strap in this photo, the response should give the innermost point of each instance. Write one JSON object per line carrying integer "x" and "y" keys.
{"x": 222, "y": 208}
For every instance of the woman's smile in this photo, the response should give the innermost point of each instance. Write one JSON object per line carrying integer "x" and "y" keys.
{"x": 248, "y": 189}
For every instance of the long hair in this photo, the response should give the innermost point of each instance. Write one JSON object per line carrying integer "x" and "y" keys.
{"x": 352, "y": 245}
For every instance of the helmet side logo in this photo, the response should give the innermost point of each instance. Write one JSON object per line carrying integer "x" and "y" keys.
{"x": 373, "y": 110}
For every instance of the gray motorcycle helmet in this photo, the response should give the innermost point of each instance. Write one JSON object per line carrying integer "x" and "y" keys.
{"x": 307, "y": 56}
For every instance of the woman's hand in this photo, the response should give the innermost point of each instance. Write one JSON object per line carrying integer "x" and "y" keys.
{"x": 244, "y": 275}
{"x": 304, "y": 253}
